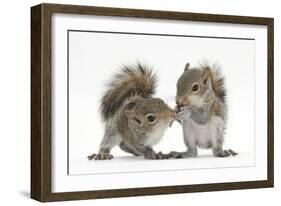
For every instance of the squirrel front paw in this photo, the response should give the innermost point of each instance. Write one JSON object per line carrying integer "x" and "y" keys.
{"x": 183, "y": 113}
{"x": 100, "y": 156}
{"x": 174, "y": 155}
{"x": 232, "y": 152}
{"x": 153, "y": 155}
{"x": 161, "y": 156}
{"x": 222, "y": 153}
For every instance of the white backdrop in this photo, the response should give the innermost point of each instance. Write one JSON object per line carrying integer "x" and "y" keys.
{"x": 15, "y": 104}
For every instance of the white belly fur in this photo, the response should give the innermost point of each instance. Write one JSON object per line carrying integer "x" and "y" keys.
{"x": 206, "y": 135}
{"x": 154, "y": 137}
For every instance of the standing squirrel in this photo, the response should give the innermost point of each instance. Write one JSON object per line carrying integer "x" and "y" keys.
{"x": 134, "y": 119}
{"x": 201, "y": 108}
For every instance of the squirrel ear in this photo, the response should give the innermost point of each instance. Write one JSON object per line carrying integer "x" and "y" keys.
{"x": 130, "y": 113}
{"x": 186, "y": 66}
{"x": 128, "y": 109}
{"x": 132, "y": 117}
{"x": 130, "y": 105}
{"x": 207, "y": 77}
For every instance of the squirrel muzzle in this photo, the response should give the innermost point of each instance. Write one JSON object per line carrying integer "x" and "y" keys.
{"x": 172, "y": 114}
{"x": 181, "y": 102}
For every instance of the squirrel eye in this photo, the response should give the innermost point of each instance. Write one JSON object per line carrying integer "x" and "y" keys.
{"x": 195, "y": 88}
{"x": 151, "y": 118}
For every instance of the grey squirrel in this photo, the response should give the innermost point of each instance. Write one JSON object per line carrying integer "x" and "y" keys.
{"x": 201, "y": 109}
{"x": 134, "y": 119}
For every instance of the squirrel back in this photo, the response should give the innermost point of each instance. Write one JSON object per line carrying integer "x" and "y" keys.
{"x": 132, "y": 80}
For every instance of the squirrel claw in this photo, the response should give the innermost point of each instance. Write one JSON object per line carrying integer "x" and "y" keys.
{"x": 174, "y": 155}
{"x": 158, "y": 156}
{"x": 223, "y": 153}
{"x": 226, "y": 153}
{"x": 171, "y": 155}
{"x": 100, "y": 156}
{"x": 90, "y": 157}
{"x": 232, "y": 152}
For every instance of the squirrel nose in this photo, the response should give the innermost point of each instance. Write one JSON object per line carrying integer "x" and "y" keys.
{"x": 173, "y": 114}
{"x": 179, "y": 102}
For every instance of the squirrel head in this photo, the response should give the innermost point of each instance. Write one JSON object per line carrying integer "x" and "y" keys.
{"x": 192, "y": 85}
{"x": 146, "y": 114}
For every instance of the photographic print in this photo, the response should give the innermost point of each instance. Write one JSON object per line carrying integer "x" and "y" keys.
{"x": 142, "y": 103}
{"x": 137, "y": 84}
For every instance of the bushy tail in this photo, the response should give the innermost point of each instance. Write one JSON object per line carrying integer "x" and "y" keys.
{"x": 217, "y": 80}
{"x": 130, "y": 81}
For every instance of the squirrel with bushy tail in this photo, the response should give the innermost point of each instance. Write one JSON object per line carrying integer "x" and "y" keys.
{"x": 202, "y": 111}
{"x": 134, "y": 120}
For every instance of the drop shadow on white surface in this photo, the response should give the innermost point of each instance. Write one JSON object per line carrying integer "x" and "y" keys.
{"x": 24, "y": 193}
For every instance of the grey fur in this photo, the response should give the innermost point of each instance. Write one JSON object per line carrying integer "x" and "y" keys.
{"x": 125, "y": 107}
{"x": 204, "y": 117}
{"x": 137, "y": 80}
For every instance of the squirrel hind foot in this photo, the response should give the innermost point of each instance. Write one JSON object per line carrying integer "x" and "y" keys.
{"x": 233, "y": 153}
{"x": 92, "y": 156}
{"x": 174, "y": 155}
{"x": 223, "y": 153}
{"x": 226, "y": 153}
{"x": 106, "y": 156}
